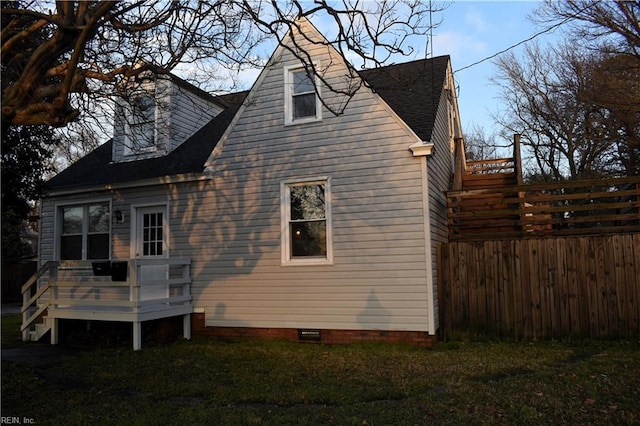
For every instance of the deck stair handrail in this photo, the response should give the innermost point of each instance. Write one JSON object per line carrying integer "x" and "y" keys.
{"x": 31, "y": 297}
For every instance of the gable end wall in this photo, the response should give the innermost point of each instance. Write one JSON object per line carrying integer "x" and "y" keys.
{"x": 232, "y": 223}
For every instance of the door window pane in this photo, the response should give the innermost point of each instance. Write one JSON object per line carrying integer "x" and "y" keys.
{"x": 152, "y": 238}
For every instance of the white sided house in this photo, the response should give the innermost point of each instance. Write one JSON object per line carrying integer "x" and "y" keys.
{"x": 260, "y": 213}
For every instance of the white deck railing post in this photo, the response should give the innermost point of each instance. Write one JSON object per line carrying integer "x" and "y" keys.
{"x": 133, "y": 283}
{"x": 186, "y": 326}
{"x": 54, "y": 331}
{"x": 137, "y": 335}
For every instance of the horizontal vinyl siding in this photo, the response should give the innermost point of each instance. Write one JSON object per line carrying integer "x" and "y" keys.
{"x": 180, "y": 114}
{"x": 188, "y": 113}
{"x": 440, "y": 174}
{"x": 46, "y": 230}
{"x": 378, "y": 277}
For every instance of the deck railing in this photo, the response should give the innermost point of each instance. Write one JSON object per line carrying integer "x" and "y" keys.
{"x": 478, "y": 172}
{"x": 107, "y": 291}
{"x": 587, "y": 207}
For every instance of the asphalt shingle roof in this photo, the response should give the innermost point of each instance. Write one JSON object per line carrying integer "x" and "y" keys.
{"x": 411, "y": 89}
{"x": 96, "y": 168}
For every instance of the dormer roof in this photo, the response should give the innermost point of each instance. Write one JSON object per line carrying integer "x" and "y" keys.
{"x": 97, "y": 167}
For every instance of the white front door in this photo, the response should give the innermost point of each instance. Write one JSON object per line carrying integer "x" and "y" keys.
{"x": 151, "y": 243}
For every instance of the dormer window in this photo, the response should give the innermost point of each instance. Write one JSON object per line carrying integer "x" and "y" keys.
{"x": 140, "y": 128}
{"x": 301, "y": 100}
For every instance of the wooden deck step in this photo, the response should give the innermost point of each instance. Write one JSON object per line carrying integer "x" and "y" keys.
{"x": 485, "y": 181}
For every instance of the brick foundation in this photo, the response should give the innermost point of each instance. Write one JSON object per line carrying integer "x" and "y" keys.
{"x": 419, "y": 338}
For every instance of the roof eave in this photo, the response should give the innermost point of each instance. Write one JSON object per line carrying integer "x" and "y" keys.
{"x": 162, "y": 180}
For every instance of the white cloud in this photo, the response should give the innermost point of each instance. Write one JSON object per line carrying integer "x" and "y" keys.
{"x": 474, "y": 18}
{"x": 458, "y": 45}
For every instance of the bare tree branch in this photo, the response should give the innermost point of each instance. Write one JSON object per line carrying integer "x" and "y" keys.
{"x": 60, "y": 50}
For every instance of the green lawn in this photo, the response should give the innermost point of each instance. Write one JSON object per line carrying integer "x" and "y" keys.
{"x": 248, "y": 382}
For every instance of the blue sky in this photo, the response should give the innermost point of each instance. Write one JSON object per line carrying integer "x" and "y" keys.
{"x": 470, "y": 31}
{"x": 473, "y": 30}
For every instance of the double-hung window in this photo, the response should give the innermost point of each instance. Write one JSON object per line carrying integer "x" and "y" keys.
{"x": 140, "y": 128}
{"x": 306, "y": 222}
{"x": 85, "y": 231}
{"x": 301, "y": 97}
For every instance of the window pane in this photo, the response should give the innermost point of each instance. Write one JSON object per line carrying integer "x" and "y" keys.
{"x": 302, "y": 83}
{"x": 307, "y": 202}
{"x": 144, "y": 109}
{"x": 99, "y": 218}
{"x": 304, "y": 106}
{"x": 72, "y": 220}
{"x": 98, "y": 246}
{"x": 71, "y": 247}
{"x": 308, "y": 239}
{"x": 142, "y": 122}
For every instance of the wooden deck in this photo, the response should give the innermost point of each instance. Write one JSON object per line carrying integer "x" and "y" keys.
{"x": 489, "y": 201}
{"x": 106, "y": 291}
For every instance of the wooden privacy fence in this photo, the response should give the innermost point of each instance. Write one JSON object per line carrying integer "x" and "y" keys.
{"x": 582, "y": 287}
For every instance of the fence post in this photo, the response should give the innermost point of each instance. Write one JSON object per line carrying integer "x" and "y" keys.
{"x": 517, "y": 167}
{"x": 517, "y": 158}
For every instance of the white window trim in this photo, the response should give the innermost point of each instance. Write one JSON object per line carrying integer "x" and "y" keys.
{"x": 57, "y": 248}
{"x": 288, "y": 97}
{"x": 128, "y": 142}
{"x": 285, "y": 216}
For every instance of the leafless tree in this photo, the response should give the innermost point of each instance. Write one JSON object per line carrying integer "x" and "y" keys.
{"x": 479, "y": 145}
{"x": 553, "y": 97}
{"x": 610, "y": 30}
{"x": 614, "y": 24}
{"x": 54, "y": 52}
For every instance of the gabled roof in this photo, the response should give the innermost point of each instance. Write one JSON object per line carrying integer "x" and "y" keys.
{"x": 411, "y": 89}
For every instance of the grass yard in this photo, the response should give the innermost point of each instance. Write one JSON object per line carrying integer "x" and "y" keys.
{"x": 248, "y": 382}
